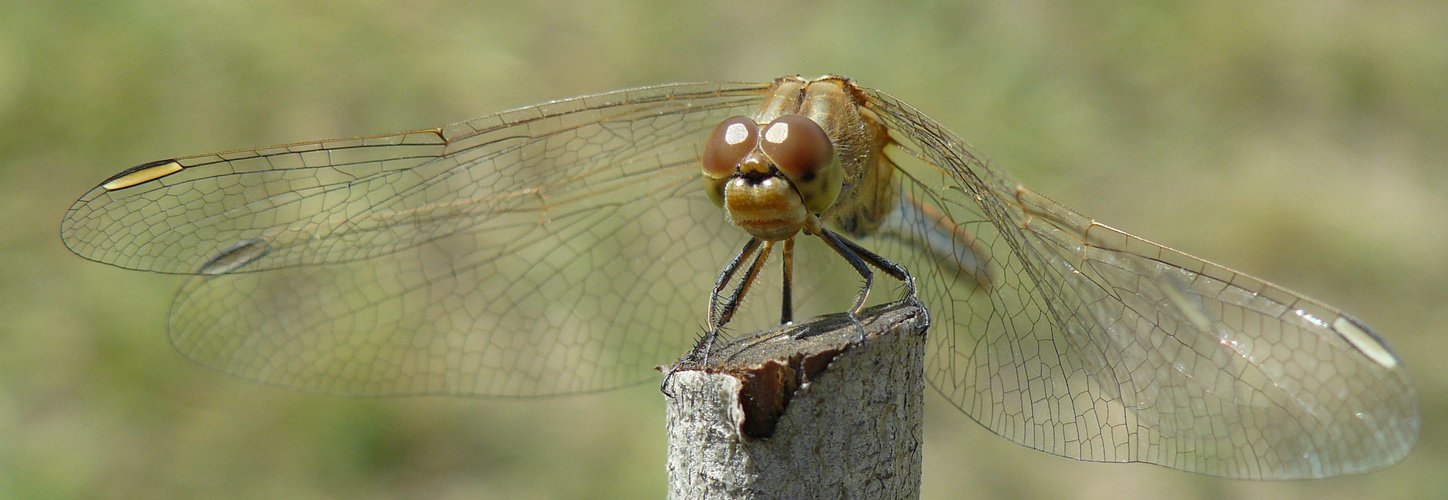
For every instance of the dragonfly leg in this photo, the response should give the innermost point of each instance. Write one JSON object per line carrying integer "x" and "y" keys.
{"x": 724, "y": 277}
{"x": 732, "y": 306}
{"x": 896, "y": 271}
{"x": 787, "y": 301}
{"x": 859, "y": 257}
{"x": 839, "y": 245}
{"x": 719, "y": 315}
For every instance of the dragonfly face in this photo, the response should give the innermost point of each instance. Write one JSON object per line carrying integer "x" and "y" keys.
{"x": 778, "y": 173}
{"x": 568, "y": 247}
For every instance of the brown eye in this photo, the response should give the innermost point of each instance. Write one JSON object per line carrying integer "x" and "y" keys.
{"x": 803, "y": 152}
{"x": 731, "y": 141}
{"x": 798, "y": 147}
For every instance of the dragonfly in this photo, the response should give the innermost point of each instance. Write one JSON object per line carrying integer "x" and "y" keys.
{"x": 573, "y": 245}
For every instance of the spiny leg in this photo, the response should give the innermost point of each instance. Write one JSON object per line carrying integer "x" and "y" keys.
{"x": 700, "y": 352}
{"x": 724, "y": 277}
{"x": 720, "y": 315}
{"x": 858, "y": 256}
{"x": 745, "y": 282}
{"x": 840, "y": 246}
{"x": 896, "y": 271}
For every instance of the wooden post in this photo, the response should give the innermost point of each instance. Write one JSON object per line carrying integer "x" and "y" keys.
{"x": 809, "y": 410}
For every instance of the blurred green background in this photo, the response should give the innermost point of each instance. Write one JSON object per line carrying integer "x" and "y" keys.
{"x": 1303, "y": 142}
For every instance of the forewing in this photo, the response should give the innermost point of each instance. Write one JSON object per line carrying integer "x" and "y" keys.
{"x": 561, "y": 248}
{"x": 1083, "y": 341}
{"x": 349, "y": 199}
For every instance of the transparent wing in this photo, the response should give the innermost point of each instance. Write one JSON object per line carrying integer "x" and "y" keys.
{"x": 560, "y": 248}
{"x": 567, "y": 247}
{"x": 1076, "y": 339}
{"x": 343, "y": 200}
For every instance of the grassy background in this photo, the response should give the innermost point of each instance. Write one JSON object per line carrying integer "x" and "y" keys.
{"x": 1303, "y": 142}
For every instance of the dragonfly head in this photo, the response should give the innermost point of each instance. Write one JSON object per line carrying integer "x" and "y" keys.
{"x": 770, "y": 178}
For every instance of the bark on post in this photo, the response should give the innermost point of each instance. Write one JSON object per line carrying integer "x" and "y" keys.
{"x": 804, "y": 411}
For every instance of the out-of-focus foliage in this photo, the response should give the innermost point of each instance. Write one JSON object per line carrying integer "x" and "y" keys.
{"x": 1300, "y": 141}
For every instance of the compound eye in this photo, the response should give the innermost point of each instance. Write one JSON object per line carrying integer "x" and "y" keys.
{"x": 802, "y": 151}
{"x": 730, "y": 142}
{"x": 798, "y": 147}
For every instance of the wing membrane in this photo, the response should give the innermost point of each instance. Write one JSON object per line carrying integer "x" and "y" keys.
{"x": 1095, "y": 344}
{"x": 568, "y": 247}
{"x": 556, "y": 249}
{"x": 350, "y": 199}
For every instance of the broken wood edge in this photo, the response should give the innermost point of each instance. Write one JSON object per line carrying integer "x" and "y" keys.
{"x": 842, "y": 415}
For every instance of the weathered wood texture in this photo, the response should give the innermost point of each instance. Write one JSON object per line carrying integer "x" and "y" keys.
{"x": 804, "y": 411}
